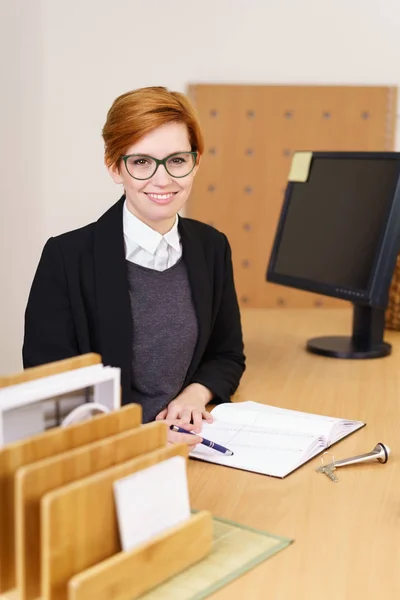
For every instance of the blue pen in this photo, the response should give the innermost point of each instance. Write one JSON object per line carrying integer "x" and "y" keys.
{"x": 204, "y": 442}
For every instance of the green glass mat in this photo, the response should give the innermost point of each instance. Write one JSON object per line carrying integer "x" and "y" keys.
{"x": 235, "y": 550}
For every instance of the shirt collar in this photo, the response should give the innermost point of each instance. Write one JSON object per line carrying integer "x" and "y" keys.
{"x": 137, "y": 232}
{"x": 172, "y": 236}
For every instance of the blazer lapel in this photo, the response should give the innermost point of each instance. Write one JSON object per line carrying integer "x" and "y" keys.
{"x": 112, "y": 294}
{"x": 200, "y": 283}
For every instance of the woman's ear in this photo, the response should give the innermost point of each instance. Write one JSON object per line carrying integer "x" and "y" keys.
{"x": 114, "y": 172}
{"x": 197, "y": 165}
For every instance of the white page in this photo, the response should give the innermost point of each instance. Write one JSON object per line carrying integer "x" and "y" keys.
{"x": 151, "y": 501}
{"x": 259, "y": 449}
{"x": 246, "y": 413}
{"x": 331, "y": 428}
{"x": 268, "y": 409}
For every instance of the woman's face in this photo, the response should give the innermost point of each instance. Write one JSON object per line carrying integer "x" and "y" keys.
{"x": 157, "y": 200}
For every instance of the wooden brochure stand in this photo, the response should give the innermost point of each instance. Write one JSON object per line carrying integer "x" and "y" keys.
{"x": 91, "y": 564}
{"x": 53, "y": 442}
{"x": 54, "y": 368}
{"x": 59, "y": 535}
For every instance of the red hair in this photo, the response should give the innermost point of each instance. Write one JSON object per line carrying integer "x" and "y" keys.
{"x": 136, "y": 113}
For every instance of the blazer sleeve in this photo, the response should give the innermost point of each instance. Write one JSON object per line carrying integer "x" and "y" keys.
{"x": 224, "y": 362}
{"x": 49, "y": 332}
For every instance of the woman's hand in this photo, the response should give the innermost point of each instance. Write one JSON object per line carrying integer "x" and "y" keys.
{"x": 183, "y": 438}
{"x": 188, "y": 409}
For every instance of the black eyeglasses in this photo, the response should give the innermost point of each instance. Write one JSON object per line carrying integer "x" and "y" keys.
{"x": 141, "y": 166}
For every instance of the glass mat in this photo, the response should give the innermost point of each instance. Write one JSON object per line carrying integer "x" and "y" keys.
{"x": 236, "y": 549}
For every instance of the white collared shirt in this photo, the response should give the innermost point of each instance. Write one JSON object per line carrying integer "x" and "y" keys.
{"x": 148, "y": 248}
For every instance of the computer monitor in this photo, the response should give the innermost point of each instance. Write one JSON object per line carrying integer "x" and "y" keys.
{"x": 339, "y": 235}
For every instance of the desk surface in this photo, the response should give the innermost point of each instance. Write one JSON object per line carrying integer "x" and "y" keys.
{"x": 347, "y": 535}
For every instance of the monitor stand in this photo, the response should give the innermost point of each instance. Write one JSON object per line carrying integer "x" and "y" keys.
{"x": 366, "y": 341}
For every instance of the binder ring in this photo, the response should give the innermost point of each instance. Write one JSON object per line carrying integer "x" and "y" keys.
{"x": 332, "y": 461}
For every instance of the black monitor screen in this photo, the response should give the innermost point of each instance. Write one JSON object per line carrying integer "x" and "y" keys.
{"x": 334, "y": 222}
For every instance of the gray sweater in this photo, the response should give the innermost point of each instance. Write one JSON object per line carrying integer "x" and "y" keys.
{"x": 164, "y": 334}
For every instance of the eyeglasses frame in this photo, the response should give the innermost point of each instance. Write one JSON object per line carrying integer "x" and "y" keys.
{"x": 160, "y": 161}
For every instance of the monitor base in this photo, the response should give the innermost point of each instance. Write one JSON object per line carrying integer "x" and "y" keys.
{"x": 345, "y": 347}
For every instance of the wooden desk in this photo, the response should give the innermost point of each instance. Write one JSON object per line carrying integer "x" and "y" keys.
{"x": 347, "y": 535}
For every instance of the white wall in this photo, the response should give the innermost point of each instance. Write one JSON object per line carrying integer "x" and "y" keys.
{"x": 21, "y": 199}
{"x": 75, "y": 57}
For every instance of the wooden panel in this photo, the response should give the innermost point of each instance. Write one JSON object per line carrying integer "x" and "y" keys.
{"x": 79, "y": 523}
{"x": 34, "y": 481}
{"x": 36, "y": 448}
{"x": 165, "y": 556}
{"x": 54, "y": 368}
{"x": 11, "y": 595}
{"x": 250, "y": 135}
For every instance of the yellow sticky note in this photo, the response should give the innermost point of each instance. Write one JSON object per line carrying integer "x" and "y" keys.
{"x": 300, "y": 166}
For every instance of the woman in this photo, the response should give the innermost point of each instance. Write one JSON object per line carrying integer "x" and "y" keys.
{"x": 151, "y": 292}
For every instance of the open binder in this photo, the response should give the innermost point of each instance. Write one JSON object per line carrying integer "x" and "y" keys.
{"x": 59, "y": 533}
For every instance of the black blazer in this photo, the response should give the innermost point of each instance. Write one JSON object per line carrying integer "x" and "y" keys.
{"x": 79, "y": 303}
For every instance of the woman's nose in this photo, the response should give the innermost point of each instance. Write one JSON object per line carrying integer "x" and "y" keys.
{"x": 161, "y": 176}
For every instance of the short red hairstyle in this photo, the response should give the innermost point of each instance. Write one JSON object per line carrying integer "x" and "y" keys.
{"x": 136, "y": 113}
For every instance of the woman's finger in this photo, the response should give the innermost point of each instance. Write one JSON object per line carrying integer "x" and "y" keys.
{"x": 173, "y": 412}
{"x": 183, "y": 438}
{"x": 197, "y": 418}
{"x": 208, "y": 416}
{"x": 161, "y": 415}
{"x": 186, "y": 416}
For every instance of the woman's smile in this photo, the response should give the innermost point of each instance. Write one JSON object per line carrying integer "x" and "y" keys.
{"x": 161, "y": 198}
